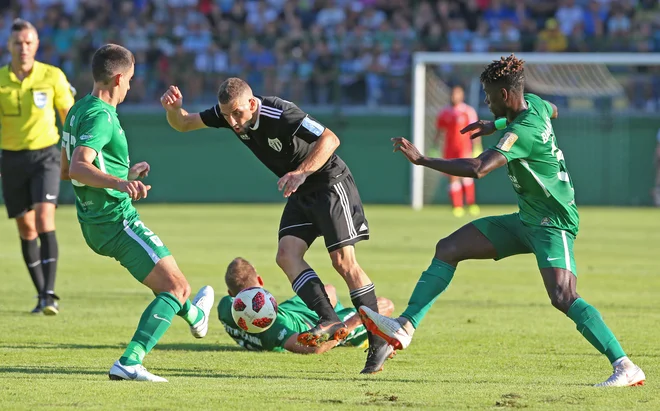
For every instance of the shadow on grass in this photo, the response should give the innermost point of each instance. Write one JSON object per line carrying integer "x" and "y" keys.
{"x": 197, "y": 347}
{"x": 49, "y": 370}
{"x": 161, "y": 347}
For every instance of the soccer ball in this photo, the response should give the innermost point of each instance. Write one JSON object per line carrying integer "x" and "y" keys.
{"x": 254, "y": 310}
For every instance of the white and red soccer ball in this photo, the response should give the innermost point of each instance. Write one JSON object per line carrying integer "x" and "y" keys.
{"x": 254, "y": 310}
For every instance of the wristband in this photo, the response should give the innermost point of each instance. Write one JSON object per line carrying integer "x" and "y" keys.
{"x": 500, "y": 123}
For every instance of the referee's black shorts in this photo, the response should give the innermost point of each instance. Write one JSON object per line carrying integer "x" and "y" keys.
{"x": 335, "y": 213}
{"x": 29, "y": 177}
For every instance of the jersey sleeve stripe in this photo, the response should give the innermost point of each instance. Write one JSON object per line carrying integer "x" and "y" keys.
{"x": 263, "y": 113}
{"x": 271, "y": 110}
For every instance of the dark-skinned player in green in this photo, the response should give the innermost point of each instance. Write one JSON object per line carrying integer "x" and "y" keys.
{"x": 545, "y": 226}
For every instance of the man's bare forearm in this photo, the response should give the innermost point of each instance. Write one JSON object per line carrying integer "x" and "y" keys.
{"x": 89, "y": 175}
{"x": 321, "y": 153}
{"x": 177, "y": 119}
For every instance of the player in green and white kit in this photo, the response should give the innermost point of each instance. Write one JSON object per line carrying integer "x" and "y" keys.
{"x": 546, "y": 224}
{"x": 293, "y": 317}
{"x": 104, "y": 184}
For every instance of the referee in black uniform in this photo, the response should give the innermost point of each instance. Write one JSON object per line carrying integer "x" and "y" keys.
{"x": 30, "y": 93}
{"x": 323, "y": 199}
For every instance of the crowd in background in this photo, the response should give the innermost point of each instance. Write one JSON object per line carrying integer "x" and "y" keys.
{"x": 318, "y": 51}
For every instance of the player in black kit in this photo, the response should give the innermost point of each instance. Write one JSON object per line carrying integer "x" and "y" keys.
{"x": 323, "y": 199}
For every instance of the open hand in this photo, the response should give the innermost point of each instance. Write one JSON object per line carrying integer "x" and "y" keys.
{"x": 172, "y": 99}
{"x": 136, "y": 189}
{"x": 480, "y": 128}
{"x": 290, "y": 182}
{"x": 408, "y": 149}
{"x": 139, "y": 170}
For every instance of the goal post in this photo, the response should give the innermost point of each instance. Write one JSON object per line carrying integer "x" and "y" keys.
{"x": 581, "y": 79}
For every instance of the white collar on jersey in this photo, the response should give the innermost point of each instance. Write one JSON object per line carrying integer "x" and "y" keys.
{"x": 256, "y": 124}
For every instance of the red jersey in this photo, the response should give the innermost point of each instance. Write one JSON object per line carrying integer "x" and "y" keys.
{"x": 452, "y": 119}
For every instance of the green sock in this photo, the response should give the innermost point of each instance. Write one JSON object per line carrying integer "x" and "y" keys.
{"x": 431, "y": 284}
{"x": 155, "y": 320}
{"x": 591, "y": 325}
{"x": 191, "y": 313}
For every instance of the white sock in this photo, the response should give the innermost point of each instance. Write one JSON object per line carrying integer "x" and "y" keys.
{"x": 619, "y": 361}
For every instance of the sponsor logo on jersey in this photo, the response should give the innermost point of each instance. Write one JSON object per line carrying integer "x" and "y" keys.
{"x": 40, "y": 98}
{"x": 507, "y": 141}
{"x": 282, "y": 334}
{"x": 275, "y": 144}
{"x": 545, "y": 221}
{"x": 312, "y": 126}
{"x": 238, "y": 335}
{"x": 85, "y": 137}
{"x": 244, "y": 136}
{"x": 73, "y": 118}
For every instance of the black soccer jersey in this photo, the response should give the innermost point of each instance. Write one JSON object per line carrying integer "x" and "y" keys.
{"x": 281, "y": 138}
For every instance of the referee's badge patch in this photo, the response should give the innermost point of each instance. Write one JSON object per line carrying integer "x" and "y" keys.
{"x": 507, "y": 141}
{"x": 40, "y": 98}
{"x": 275, "y": 144}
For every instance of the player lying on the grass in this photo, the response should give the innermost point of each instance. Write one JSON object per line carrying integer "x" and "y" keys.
{"x": 293, "y": 317}
{"x": 104, "y": 184}
{"x": 545, "y": 226}
{"x": 322, "y": 198}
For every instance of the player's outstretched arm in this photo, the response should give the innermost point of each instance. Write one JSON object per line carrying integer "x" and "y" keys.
{"x": 478, "y": 167}
{"x": 178, "y": 118}
{"x": 83, "y": 170}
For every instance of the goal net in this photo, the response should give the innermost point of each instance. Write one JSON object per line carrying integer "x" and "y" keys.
{"x": 595, "y": 92}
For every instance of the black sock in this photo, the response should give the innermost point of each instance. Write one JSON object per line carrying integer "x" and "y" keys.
{"x": 366, "y": 295}
{"x": 49, "y": 254}
{"x": 32, "y": 260}
{"x": 310, "y": 289}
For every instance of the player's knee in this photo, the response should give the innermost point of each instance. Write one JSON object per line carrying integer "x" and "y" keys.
{"x": 345, "y": 265}
{"x": 562, "y": 299}
{"x": 385, "y": 306}
{"x": 26, "y": 230}
{"x": 286, "y": 258}
{"x": 44, "y": 223}
{"x": 180, "y": 289}
{"x": 446, "y": 250}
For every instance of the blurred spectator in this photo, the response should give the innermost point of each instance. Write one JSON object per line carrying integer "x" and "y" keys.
{"x": 326, "y": 51}
{"x": 551, "y": 38}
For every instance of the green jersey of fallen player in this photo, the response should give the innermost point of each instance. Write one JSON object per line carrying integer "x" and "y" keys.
{"x": 537, "y": 169}
{"x": 93, "y": 123}
{"x": 293, "y": 317}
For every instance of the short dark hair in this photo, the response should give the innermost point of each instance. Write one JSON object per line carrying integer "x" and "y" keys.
{"x": 19, "y": 25}
{"x": 240, "y": 275}
{"x": 507, "y": 71}
{"x": 232, "y": 88}
{"x": 110, "y": 60}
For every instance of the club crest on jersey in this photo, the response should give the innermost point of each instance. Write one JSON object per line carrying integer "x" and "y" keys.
{"x": 275, "y": 144}
{"x": 507, "y": 141}
{"x": 244, "y": 136}
{"x": 40, "y": 98}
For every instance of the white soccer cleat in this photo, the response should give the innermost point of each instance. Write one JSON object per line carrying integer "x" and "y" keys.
{"x": 625, "y": 374}
{"x": 137, "y": 372}
{"x": 385, "y": 327}
{"x": 204, "y": 301}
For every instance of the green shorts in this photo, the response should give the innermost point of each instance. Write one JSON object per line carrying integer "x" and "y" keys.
{"x": 128, "y": 241}
{"x": 510, "y": 236}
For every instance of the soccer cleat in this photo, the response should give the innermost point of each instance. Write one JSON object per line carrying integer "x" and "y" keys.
{"x": 387, "y": 328}
{"x": 323, "y": 332}
{"x": 40, "y": 306}
{"x": 625, "y": 374}
{"x": 377, "y": 354}
{"x": 50, "y": 306}
{"x": 204, "y": 301}
{"x": 137, "y": 372}
{"x": 458, "y": 212}
{"x": 474, "y": 210}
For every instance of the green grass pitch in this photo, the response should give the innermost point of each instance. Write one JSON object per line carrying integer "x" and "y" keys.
{"x": 492, "y": 341}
